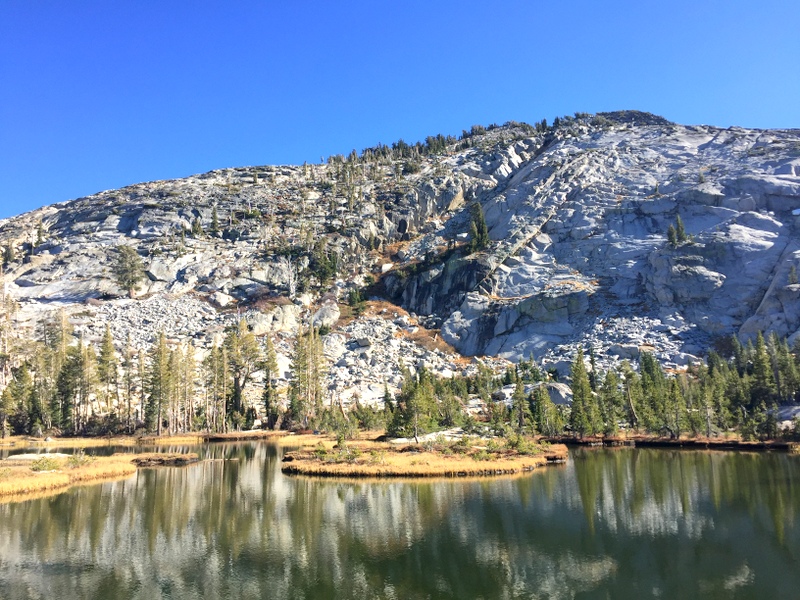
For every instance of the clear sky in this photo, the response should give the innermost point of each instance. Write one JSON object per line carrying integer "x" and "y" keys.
{"x": 96, "y": 95}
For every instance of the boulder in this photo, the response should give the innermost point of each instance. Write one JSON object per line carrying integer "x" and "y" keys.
{"x": 327, "y": 315}
{"x": 221, "y": 300}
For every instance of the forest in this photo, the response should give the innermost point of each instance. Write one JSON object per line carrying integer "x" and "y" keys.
{"x": 55, "y": 386}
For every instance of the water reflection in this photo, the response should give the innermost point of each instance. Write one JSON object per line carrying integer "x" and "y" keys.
{"x": 611, "y": 523}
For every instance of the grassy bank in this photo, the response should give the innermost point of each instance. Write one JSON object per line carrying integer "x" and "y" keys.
{"x": 465, "y": 458}
{"x": 24, "y": 478}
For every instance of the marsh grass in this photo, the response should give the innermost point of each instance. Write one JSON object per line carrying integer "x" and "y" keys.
{"x": 451, "y": 459}
{"x": 46, "y": 463}
{"x": 20, "y": 479}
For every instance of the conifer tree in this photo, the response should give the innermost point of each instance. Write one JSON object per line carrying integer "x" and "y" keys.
{"x": 8, "y": 255}
{"x": 520, "y": 408}
{"x": 680, "y": 232}
{"x": 478, "y": 232}
{"x": 611, "y": 403}
{"x": 653, "y": 408}
{"x": 672, "y": 236}
{"x": 214, "y": 221}
{"x": 416, "y": 405}
{"x": 270, "y": 396}
{"x": 158, "y": 384}
{"x": 107, "y": 369}
{"x": 128, "y": 378}
{"x": 243, "y": 358}
{"x": 583, "y": 418}
{"x": 86, "y": 385}
{"x": 675, "y": 413}
{"x": 188, "y": 387}
{"x": 309, "y": 372}
{"x": 388, "y": 405}
{"x": 128, "y": 269}
{"x": 215, "y": 377}
{"x": 632, "y": 390}
{"x": 763, "y": 386}
{"x": 173, "y": 391}
{"x": 545, "y": 413}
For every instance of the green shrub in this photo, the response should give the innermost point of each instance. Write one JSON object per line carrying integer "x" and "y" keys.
{"x": 46, "y": 463}
{"x": 80, "y": 459}
{"x": 482, "y": 455}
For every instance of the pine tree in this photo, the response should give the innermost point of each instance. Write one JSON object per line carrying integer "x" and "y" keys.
{"x": 763, "y": 387}
{"x": 632, "y": 390}
{"x": 479, "y": 233}
{"x": 306, "y": 389}
{"x": 789, "y": 373}
{"x": 520, "y": 408}
{"x": 270, "y": 396}
{"x": 107, "y": 369}
{"x": 39, "y": 235}
{"x": 388, "y": 406}
{"x": 17, "y": 398}
{"x": 672, "y": 236}
{"x": 243, "y": 359}
{"x": 675, "y": 410}
{"x": 546, "y": 416}
{"x": 593, "y": 369}
{"x": 680, "y": 232}
{"x": 214, "y": 377}
{"x": 583, "y": 417}
{"x": 128, "y": 378}
{"x": 128, "y": 269}
{"x": 197, "y": 227}
{"x": 653, "y": 409}
{"x": 416, "y": 406}
{"x": 86, "y": 385}
{"x": 611, "y": 403}
{"x": 8, "y": 255}
{"x": 158, "y": 384}
{"x": 188, "y": 387}
{"x": 214, "y": 221}
{"x": 175, "y": 362}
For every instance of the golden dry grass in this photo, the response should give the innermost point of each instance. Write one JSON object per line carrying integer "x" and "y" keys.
{"x": 236, "y": 436}
{"x": 18, "y": 481}
{"x": 428, "y": 339}
{"x": 376, "y": 459}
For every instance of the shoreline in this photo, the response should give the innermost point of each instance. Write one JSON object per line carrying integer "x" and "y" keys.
{"x": 372, "y": 459}
{"x": 19, "y": 481}
{"x": 701, "y": 443}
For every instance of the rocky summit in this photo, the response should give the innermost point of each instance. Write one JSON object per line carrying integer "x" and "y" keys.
{"x": 620, "y": 231}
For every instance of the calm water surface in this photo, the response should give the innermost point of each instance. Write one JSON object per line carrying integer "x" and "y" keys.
{"x": 610, "y": 524}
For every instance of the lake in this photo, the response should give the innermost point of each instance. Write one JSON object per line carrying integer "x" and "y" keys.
{"x": 612, "y": 523}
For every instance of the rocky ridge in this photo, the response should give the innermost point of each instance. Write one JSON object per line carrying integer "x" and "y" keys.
{"x": 577, "y": 215}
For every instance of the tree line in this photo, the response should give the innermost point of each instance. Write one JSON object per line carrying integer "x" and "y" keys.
{"x": 738, "y": 390}
{"x": 63, "y": 384}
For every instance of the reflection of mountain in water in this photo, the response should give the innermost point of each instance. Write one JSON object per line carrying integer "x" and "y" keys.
{"x": 622, "y": 523}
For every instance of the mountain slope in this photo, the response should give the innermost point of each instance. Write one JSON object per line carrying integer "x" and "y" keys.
{"x": 577, "y": 214}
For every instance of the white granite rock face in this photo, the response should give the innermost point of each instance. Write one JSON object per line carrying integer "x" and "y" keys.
{"x": 577, "y": 216}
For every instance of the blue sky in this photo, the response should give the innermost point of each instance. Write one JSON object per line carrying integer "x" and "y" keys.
{"x": 98, "y": 95}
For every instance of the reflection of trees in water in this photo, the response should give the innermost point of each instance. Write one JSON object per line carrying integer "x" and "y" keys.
{"x": 234, "y": 526}
{"x": 660, "y": 491}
